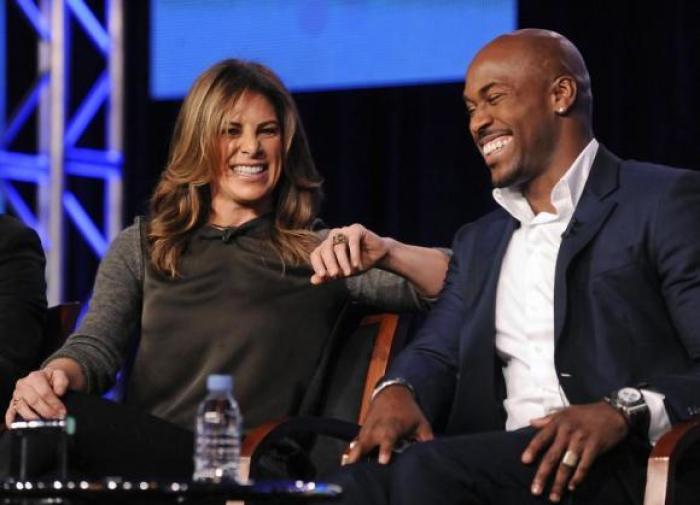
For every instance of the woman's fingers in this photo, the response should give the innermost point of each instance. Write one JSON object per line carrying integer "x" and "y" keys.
{"x": 339, "y": 255}
{"x": 37, "y": 396}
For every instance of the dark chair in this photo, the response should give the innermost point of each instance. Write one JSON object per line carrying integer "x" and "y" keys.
{"x": 355, "y": 368}
{"x": 679, "y": 444}
{"x": 60, "y": 323}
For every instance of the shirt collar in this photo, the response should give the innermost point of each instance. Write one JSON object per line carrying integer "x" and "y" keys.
{"x": 565, "y": 194}
{"x": 258, "y": 227}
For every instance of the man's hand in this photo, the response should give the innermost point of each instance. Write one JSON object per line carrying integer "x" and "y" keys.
{"x": 347, "y": 251}
{"x": 393, "y": 415}
{"x": 37, "y": 396}
{"x": 582, "y": 431}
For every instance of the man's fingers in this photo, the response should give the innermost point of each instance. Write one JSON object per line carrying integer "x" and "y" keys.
{"x": 570, "y": 460}
{"x": 540, "y": 422}
{"x": 542, "y": 439}
{"x": 587, "y": 457}
{"x": 385, "y": 451}
{"x": 352, "y": 453}
{"x": 550, "y": 461}
{"x": 560, "y": 479}
{"x": 363, "y": 444}
{"x": 424, "y": 432}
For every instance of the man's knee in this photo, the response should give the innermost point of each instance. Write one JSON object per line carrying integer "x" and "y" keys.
{"x": 363, "y": 483}
{"x": 435, "y": 459}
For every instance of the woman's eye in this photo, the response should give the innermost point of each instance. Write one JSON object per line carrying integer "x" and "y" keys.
{"x": 270, "y": 131}
{"x": 233, "y": 132}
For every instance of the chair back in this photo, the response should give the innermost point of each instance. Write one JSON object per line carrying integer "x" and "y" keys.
{"x": 359, "y": 353}
{"x": 60, "y": 323}
{"x": 384, "y": 326}
{"x": 359, "y": 358}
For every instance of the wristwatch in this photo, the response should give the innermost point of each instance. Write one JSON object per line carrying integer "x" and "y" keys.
{"x": 386, "y": 382}
{"x": 630, "y": 402}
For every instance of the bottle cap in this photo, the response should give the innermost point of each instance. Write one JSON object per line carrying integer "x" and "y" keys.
{"x": 220, "y": 383}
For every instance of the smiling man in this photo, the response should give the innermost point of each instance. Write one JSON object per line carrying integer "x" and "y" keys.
{"x": 566, "y": 340}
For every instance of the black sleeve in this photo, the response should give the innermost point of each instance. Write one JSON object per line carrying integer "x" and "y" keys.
{"x": 22, "y": 302}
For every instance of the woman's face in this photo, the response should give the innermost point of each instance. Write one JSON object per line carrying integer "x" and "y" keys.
{"x": 251, "y": 161}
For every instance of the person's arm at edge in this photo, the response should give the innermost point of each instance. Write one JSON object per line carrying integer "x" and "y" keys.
{"x": 361, "y": 249}
{"x": 22, "y": 301}
{"x": 102, "y": 340}
{"x": 424, "y": 267}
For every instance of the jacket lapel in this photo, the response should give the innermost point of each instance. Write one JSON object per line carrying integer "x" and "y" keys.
{"x": 497, "y": 245}
{"x": 478, "y": 349}
{"x": 591, "y": 212}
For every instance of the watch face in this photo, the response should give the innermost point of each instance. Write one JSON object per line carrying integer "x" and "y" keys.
{"x": 629, "y": 396}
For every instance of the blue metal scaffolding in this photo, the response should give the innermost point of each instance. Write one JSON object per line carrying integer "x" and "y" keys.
{"x": 57, "y": 154}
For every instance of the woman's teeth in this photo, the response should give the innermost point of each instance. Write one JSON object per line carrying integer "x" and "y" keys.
{"x": 496, "y": 145}
{"x": 247, "y": 169}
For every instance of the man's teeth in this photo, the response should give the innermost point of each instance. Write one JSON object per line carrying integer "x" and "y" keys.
{"x": 247, "y": 169}
{"x": 496, "y": 145}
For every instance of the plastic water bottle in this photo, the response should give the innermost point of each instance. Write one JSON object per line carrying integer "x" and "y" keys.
{"x": 217, "y": 433}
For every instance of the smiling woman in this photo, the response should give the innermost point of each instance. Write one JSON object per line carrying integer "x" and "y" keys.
{"x": 230, "y": 273}
{"x": 237, "y": 119}
{"x": 251, "y": 164}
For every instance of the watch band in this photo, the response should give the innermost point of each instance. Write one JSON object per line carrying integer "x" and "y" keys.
{"x": 394, "y": 381}
{"x": 631, "y": 404}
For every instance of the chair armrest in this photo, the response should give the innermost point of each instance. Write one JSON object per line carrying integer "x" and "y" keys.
{"x": 663, "y": 458}
{"x": 260, "y": 439}
{"x": 257, "y": 435}
{"x": 381, "y": 351}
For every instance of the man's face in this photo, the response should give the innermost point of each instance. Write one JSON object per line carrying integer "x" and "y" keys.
{"x": 510, "y": 114}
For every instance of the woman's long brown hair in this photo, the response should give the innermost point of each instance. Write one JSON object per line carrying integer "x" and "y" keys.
{"x": 181, "y": 202}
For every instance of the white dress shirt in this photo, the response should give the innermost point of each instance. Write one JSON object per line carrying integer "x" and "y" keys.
{"x": 525, "y": 303}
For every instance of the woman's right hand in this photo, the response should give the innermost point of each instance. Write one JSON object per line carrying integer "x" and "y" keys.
{"x": 37, "y": 396}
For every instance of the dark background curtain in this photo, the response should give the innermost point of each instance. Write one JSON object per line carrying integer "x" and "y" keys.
{"x": 400, "y": 160}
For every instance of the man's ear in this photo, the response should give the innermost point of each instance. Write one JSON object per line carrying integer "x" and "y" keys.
{"x": 564, "y": 90}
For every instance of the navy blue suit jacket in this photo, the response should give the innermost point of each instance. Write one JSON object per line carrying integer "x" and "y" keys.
{"x": 626, "y": 309}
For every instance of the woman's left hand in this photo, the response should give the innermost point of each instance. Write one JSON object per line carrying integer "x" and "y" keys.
{"x": 347, "y": 251}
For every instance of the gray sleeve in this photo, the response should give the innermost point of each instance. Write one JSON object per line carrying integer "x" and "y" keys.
{"x": 101, "y": 342}
{"x": 388, "y": 291}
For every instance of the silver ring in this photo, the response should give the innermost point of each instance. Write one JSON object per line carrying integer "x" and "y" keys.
{"x": 570, "y": 459}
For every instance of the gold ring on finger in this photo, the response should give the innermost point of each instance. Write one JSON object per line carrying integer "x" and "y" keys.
{"x": 340, "y": 238}
{"x": 570, "y": 459}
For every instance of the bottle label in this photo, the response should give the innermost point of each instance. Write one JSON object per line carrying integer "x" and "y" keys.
{"x": 213, "y": 417}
